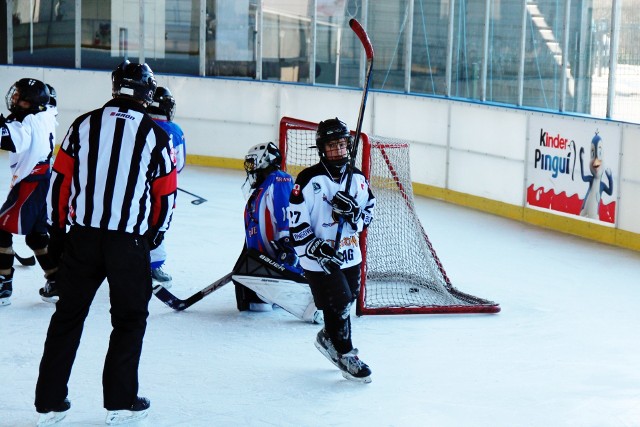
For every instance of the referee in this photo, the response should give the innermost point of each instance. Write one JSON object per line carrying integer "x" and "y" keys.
{"x": 114, "y": 183}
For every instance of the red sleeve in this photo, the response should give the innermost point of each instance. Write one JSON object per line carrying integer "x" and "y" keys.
{"x": 63, "y": 167}
{"x": 163, "y": 192}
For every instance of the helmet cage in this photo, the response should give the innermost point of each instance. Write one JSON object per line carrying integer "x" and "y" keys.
{"x": 332, "y": 130}
{"x": 28, "y": 90}
{"x": 261, "y": 159}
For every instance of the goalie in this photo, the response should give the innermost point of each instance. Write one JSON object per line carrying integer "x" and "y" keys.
{"x": 267, "y": 231}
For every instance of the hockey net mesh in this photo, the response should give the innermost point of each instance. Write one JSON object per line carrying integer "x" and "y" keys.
{"x": 402, "y": 271}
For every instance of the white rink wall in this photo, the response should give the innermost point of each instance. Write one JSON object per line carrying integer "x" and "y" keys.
{"x": 466, "y": 148}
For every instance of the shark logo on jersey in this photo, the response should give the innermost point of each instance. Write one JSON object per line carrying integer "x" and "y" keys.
{"x": 316, "y": 188}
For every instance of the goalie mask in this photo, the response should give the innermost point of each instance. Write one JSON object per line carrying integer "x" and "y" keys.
{"x": 164, "y": 104}
{"x": 135, "y": 81}
{"x": 334, "y": 141}
{"x": 260, "y": 161}
{"x": 27, "y": 95}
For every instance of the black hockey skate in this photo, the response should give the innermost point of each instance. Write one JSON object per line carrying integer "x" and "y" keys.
{"x": 6, "y": 288}
{"x": 135, "y": 412}
{"x": 49, "y": 293}
{"x": 353, "y": 368}
{"x": 325, "y": 346}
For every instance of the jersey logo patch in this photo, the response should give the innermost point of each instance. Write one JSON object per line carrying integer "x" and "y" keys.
{"x": 316, "y": 187}
{"x": 122, "y": 115}
{"x": 296, "y": 190}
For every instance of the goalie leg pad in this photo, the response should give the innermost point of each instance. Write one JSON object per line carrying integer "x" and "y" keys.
{"x": 244, "y": 297}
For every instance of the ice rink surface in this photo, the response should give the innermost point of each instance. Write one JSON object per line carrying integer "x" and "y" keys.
{"x": 564, "y": 350}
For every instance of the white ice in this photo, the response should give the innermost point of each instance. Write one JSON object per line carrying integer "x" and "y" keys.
{"x": 564, "y": 350}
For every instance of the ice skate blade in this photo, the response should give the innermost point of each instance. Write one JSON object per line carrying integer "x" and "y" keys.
{"x": 365, "y": 380}
{"x": 125, "y": 416}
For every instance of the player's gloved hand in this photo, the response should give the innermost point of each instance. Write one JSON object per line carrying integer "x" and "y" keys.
{"x": 154, "y": 237}
{"x": 57, "y": 237}
{"x": 345, "y": 206}
{"x": 323, "y": 252}
{"x": 285, "y": 254}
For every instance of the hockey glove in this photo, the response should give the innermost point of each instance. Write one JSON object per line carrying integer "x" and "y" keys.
{"x": 321, "y": 251}
{"x": 154, "y": 238}
{"x": 345, "y": 206}
{"x": 285, "y": 254}
{"x": 55, "y": 247}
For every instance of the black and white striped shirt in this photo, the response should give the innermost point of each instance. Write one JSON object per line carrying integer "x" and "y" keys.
{"x": 115, "y": 170}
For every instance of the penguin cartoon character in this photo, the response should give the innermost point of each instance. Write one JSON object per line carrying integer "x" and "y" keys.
{"x": 591, "y": 202}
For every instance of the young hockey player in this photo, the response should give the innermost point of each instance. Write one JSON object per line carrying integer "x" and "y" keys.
{"x": 28, "y": 133}
{"x": 114, "y": 183}
{"x": 162, "y": 110}
{"x": 318, "y": 202}
{"x": 267, "y": 231}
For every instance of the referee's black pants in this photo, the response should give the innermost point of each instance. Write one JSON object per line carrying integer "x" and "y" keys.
{"x": 90, "y": 256}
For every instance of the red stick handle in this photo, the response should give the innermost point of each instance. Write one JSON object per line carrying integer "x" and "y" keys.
{"x": 364, "y": 38}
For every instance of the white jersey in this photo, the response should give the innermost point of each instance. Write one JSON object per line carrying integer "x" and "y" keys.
{"x": 33, "y": 139}
{"x": 311, "y": 214}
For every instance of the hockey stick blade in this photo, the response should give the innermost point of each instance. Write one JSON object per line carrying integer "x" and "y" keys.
{"x": 197, "y": 201}
{"x": 364, "y": 38}
{"x": 178, "y": 304}
{"x": 29, "y": 261}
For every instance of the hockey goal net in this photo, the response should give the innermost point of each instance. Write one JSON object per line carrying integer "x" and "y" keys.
{"x": 401, "y": 272}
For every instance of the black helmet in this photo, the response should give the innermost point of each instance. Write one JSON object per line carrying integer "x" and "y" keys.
{"x": 332, "y": 130}
{"x": 164, "y": 104}
{"x": 53, "y": 96}
{"x": 135, "y": 81}
{"x": 261, "y": 160}
{"x": 32, "y": 91}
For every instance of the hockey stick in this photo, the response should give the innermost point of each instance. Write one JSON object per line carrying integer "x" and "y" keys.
{"x": 198, "y": 200}
{"x": 178, "y": 304}
{"x": 368, "y": 49}
{"x": 28, "y": 261}
{"x": 250, "y": 263}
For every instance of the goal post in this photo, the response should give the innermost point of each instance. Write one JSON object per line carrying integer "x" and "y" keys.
{"x": 401, "y": 272}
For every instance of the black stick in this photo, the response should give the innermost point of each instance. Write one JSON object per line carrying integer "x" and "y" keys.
{"x": 368, "y": 49}
{"x": 29, "y": 261}
{"x": 178, "y": 304}
{"x": 198, "y": 200}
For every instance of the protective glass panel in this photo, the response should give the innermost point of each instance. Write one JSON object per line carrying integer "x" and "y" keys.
{"x": 43, "y": 33}
{"x": 627, "y": 77}
{"x": 429, "y": 47}
{"x": 231, "y": 31}
{"x": 171, "y": 36}
{"x": 285, "y": 40}
{"x": 503, "y": 62}
{"x": 468, "y": 39}
{"x": 543, "y": 55}
{"x": 95, "y": 37}
{"x": 388, "y": 23}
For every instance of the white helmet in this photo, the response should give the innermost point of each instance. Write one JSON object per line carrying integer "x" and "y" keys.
{"x": 260, "y": 158}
